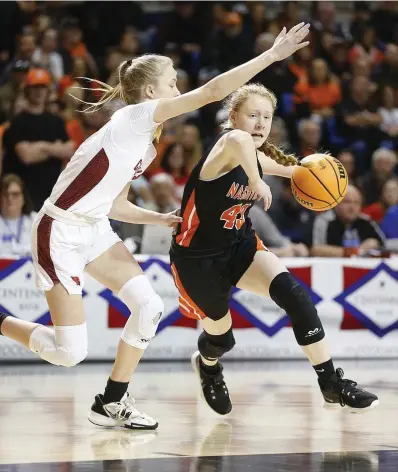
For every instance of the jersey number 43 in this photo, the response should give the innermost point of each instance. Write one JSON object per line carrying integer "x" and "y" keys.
{"x": 234, "y": 216}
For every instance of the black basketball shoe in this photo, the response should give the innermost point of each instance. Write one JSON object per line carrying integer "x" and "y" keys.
{"x": 346, "y": 393}
{"x": 214, "y": 389}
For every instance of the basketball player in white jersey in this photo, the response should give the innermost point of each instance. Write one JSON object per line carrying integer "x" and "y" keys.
{"x": 72, "y": 232}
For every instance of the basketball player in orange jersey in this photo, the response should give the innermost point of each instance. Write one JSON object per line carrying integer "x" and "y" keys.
{"x": 215, "y": 248}
{"x": 72, "y": 231}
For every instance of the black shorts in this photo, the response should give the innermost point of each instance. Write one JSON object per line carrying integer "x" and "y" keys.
{"x": 205, "y": 281}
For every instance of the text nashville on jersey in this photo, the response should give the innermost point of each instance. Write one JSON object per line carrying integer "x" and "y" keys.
{"x": 241, "y": 192}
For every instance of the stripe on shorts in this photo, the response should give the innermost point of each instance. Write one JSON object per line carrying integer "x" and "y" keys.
{"x": 43, "y": 247}
{"x": 187, "y": 306}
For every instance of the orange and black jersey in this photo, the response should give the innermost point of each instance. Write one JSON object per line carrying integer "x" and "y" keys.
{"x": 215, "y": 212}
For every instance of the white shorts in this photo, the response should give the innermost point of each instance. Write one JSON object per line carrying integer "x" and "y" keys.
{"x": 62, "y": 249}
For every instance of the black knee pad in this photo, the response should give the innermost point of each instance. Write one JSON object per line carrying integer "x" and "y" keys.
{"x": 288, "y": 294}
{"x": 214, "y": 346}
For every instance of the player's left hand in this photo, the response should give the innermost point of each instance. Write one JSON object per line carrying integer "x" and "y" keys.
{"x": 171, "y": 219}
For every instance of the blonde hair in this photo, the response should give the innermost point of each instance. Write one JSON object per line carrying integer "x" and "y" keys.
{"x": 236, "y": 100}
{"x": 133, "y": 76}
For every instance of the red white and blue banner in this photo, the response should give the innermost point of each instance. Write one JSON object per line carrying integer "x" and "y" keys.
{"x": 357, "y": 300}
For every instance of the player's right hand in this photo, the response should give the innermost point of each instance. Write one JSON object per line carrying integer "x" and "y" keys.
{"x": 171, "y": 219}
{"x": 287, "y": 44}
{"x": 263, "y": 191}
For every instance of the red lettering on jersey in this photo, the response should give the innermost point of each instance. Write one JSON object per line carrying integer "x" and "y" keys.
{"x": 234, "y": 216}
{"x": 246, "y": 193}
{"x": 233, "y": 190}
{"x": 253, "y": 195}
{"x": 238, "y": 196}
{"x": 137, "y": 170}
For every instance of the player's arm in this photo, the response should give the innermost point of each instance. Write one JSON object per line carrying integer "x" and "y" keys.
{"x": 270, "y": 167}
{"x": 223, "y": 85}
{"x": 240, "y": 148}
{"x": 123, "y": 210}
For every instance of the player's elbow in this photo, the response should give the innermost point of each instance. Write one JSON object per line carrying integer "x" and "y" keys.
{"x": 116, "y": 210}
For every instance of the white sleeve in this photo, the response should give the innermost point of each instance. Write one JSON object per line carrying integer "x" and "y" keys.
{"x": 141, "y": 116}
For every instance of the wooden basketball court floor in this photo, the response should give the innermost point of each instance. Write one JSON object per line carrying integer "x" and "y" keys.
{"x": 277, "y": 423}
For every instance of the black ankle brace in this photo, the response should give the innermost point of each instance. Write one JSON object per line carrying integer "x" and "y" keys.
{"x": 3, "y": 316}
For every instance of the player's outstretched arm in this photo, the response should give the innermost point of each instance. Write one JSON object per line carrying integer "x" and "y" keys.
{"x": 123, "y": 210}
{"x": 270, "y": 167}
{"x": 220, "y": 87}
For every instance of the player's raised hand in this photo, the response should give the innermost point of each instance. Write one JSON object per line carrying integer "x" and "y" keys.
{"x": 263, "y": 191}
{"x": 287, "y": 43}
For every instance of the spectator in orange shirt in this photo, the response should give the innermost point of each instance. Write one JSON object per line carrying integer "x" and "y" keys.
{"x": 173, "y": 164}
{"x": 79, "y": 69}
{"x": 299, "y": 64}
{"x": 388, "y": 198}
{"x": 73, "y": 47}
{"x": 322, "y": 92}
{"x": 86, "y": 124}
{"x": 366, "y": 48}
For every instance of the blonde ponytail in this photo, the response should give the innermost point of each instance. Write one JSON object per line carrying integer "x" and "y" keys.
{"x": 109, "y": 93}
{"x": 278, "y": 155}
{"x": 134, "y": 75}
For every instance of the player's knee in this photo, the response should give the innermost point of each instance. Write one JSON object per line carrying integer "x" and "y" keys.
{"x": 71, "y": 343}
{"x": 146, "y": 311}
{"x": 64, "y": 345}
{"x": 215, "y": 346}
{"x": 70, "y": 358}
{"x": 288, "y": 294}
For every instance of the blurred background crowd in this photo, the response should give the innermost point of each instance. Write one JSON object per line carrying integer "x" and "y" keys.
{"x": 340, "y": 94}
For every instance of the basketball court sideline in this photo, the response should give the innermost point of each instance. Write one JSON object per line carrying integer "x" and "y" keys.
{"x": 277, "y": 423}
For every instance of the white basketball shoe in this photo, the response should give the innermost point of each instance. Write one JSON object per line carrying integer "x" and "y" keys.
{"x": 123, "y": 414}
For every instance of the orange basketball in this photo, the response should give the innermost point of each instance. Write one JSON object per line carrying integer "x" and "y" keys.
{"x": 322, "y": 185}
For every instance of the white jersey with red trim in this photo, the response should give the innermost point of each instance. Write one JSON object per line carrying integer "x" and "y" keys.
{"x": 102, "y": 166}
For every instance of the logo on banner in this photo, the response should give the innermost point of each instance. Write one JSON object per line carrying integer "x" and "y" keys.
{"x": 247, "y": 310}
{"x": 371, "y": 299}
{"x": 19, "y": 295}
